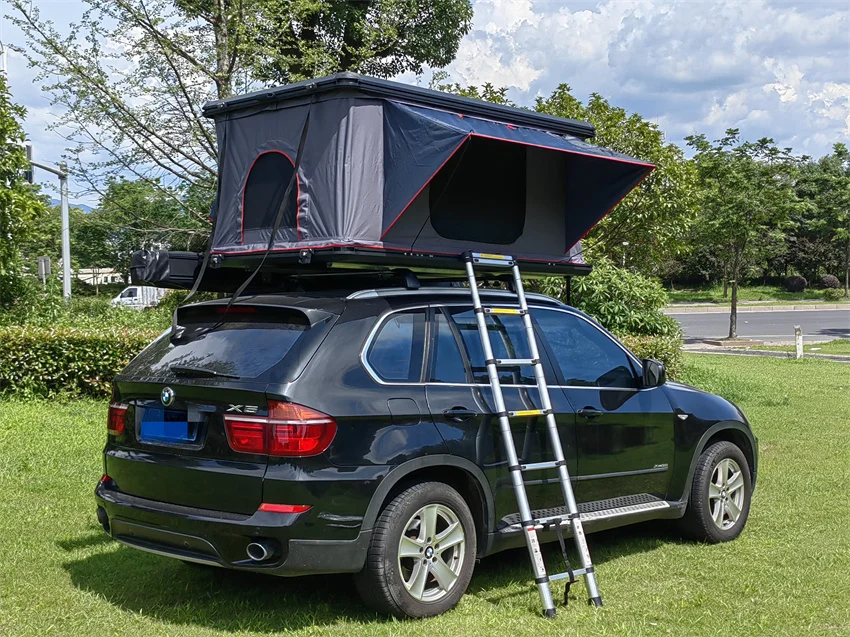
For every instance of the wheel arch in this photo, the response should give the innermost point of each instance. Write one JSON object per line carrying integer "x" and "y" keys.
{"x": 730, "y": 431}
{"x": 461, "y": 474}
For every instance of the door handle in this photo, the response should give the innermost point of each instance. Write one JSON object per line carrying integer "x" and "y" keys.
{"x": 589, "y": 412}
{"x": 460, "y": 414}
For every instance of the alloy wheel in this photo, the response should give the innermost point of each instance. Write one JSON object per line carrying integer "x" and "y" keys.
{"x": 726, "y": 494}
{"x": 430, "y": 552}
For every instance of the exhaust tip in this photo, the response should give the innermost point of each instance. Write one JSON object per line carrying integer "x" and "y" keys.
{"x": 261, "y": 551}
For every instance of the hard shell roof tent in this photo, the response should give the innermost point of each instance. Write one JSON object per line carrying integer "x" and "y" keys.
{"x": 393, "y": 174}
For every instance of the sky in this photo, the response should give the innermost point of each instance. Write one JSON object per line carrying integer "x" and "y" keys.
{"x": 772, "y": 68}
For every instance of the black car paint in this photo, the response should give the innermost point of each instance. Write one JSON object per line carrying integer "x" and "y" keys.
{"x": 201, "y": 503}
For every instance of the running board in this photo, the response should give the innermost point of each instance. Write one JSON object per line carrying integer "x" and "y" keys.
{"x": 590, "y": 513}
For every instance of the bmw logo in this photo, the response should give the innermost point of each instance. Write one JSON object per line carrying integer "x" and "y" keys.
{"x": 167, "y": 396}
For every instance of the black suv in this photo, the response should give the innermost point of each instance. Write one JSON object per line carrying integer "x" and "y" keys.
{"x": 354, "y": 434}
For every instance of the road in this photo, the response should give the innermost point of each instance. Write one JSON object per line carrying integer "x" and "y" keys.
{"x": 818, "y": 325}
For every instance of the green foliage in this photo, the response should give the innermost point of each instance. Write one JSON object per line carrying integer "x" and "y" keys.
{"x": 301, "y": 39}
{"x": 43, "y": 362}
{"x": 833, "y": 294}
{"x": 667, "y": 349}
{"x": 830, "y": 281}
{"x": 796, "y": 283}
{"x": 19, "y": 201}
{"x": 623, "y": 301}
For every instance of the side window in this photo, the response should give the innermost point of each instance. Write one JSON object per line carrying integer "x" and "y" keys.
{"x": 396, "y": 353}
{"x": 587, "y": 356}
{"x": 507, "y": 335}
{"x": 447, "y": 366}
{"x": 264, "y": 191}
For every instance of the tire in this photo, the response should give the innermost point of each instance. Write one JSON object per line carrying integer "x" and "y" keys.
{"x": 393, "y": 582}
{"x": 719, "y": 503}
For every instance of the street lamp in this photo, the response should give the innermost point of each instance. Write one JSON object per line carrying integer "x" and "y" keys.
{"x": 625, "y": 245}
{"x": 62, "y": 173}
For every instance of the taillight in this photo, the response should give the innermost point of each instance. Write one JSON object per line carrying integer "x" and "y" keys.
{"x": 289, "y": 430}
{"x": 116, "y": 418}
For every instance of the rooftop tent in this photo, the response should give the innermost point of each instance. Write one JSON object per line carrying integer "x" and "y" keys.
{"x": 389, "y": 168}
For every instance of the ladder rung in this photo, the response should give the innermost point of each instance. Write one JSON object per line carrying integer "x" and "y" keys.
{"x": 540, "y": 523}
{"x": 529, "y": 412}
{"x": 513, "y": 362}
{"x": 536, "y": 466}
{"x": 486, "y": 258}
{"x": 577, "y": 572}
{"x": 504, "y": 310}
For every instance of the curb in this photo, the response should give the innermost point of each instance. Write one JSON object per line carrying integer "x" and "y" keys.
{"x": 725, "y": 309}
{"x": 769, "y": 354}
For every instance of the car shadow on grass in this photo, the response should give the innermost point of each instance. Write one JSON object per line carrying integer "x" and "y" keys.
{"x": 169, "y": 590}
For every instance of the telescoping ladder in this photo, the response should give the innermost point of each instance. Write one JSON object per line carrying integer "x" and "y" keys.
{"x": 529, "y": 523}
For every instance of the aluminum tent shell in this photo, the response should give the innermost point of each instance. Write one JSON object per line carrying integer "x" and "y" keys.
{"x": 391, "y": 168}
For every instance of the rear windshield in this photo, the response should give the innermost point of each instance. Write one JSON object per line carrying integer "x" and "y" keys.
{"x": 269, "y": 343}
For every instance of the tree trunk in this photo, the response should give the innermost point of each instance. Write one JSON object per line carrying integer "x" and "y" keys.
{"x": 725, "y": 280}
{"x": 733, "y": 314}
{"x": 847, "y": 269}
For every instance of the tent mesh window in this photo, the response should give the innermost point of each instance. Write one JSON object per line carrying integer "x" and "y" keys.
{"x": 479, "y": 194}
{"x": 264, "y": 190}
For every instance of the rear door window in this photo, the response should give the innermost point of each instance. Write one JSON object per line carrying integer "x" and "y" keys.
{"x": 248, "y": 344}
{"x": 507, "y": 337}
{"x": 447, "y": 366}
{"x": 397, "y": 351}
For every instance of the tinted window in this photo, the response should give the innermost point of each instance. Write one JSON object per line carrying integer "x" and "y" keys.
{"x": 264, "y": 191}
{"x": 586, "y": 355}
{"x": 397, "y": 351}
{"x": 507, "y": 337}
{"x": 244, "y": 346}
{"x": 448, "y": 362}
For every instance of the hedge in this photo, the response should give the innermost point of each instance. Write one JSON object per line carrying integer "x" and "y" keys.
{"x": 38, "y": 362}
{"x": 667, "y": 349}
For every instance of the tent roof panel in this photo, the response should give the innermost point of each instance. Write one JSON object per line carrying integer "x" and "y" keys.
{"x": 369, "y": 87}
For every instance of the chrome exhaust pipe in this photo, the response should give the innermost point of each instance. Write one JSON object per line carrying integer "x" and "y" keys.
{"x": 261, "y": 551}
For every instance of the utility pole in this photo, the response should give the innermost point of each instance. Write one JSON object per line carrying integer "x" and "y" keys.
{"x": 2, "y": 58}
{"x": 62, "y": 173}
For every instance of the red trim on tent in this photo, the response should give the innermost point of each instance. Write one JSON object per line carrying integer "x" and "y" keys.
{"x": 297, "y": 195}
{"x": 418, "y": 192}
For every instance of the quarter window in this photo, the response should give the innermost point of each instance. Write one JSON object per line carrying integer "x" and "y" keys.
{"x": 448, "y": 362}
{"x": 397, "y": 351}
{"x": 586, "y": 355}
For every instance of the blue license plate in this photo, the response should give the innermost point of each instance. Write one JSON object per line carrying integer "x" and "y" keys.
{"x": 166, "y": 425}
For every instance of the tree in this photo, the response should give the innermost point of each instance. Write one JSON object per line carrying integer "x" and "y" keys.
{"x": 19, "y": 201}
{"x": 133, "y": 74}
{"x": 301, "y": 39}
{"x": 747, "y": 196}
{"x": 656, "y": 216}
{"x": 825, "y": 186}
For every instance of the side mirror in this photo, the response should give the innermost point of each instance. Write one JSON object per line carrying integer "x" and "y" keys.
{"x": 654, "y": 374}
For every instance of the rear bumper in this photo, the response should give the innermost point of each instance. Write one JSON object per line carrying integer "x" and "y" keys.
{"x": 220, "y": 539}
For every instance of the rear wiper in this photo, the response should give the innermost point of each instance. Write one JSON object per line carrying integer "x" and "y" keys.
{"x": 188, "y": 370}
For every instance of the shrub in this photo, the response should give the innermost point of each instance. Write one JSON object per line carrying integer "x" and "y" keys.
{"x": 830, "y": 282}
{"x": 833, "y": 294}
{"x": 667, "y": 349}
{"x": 46, "y": 362}
{"x": 625, "y": 302}
{"x": 796, "y": 283}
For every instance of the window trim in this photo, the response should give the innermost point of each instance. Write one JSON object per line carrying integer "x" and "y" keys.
{"x": 384, "y": 315}
{"x": 297, "y": 194}
{"x": 376, "y": 330}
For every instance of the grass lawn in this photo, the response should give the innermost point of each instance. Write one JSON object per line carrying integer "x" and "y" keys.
{"x": 789, "y": 574}
{"x": 749, "y": 293}
{"x": 838, "y": 346}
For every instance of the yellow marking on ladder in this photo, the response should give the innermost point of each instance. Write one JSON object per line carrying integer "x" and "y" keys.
{"x": 498, "y": 257}
{"x": 529, "y": 412}
{"x": 502, "y": 310}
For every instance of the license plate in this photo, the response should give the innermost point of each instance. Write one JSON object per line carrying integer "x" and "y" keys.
{"x": 166, "y": 425}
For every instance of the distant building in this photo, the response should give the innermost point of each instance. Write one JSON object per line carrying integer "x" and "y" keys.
{"x": 99, "y": 276}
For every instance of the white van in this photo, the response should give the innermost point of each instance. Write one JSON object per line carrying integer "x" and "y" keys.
{"x": 139, "y": 297}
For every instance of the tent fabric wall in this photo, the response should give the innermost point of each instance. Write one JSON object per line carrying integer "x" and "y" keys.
{"x": 371, "y": 172}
